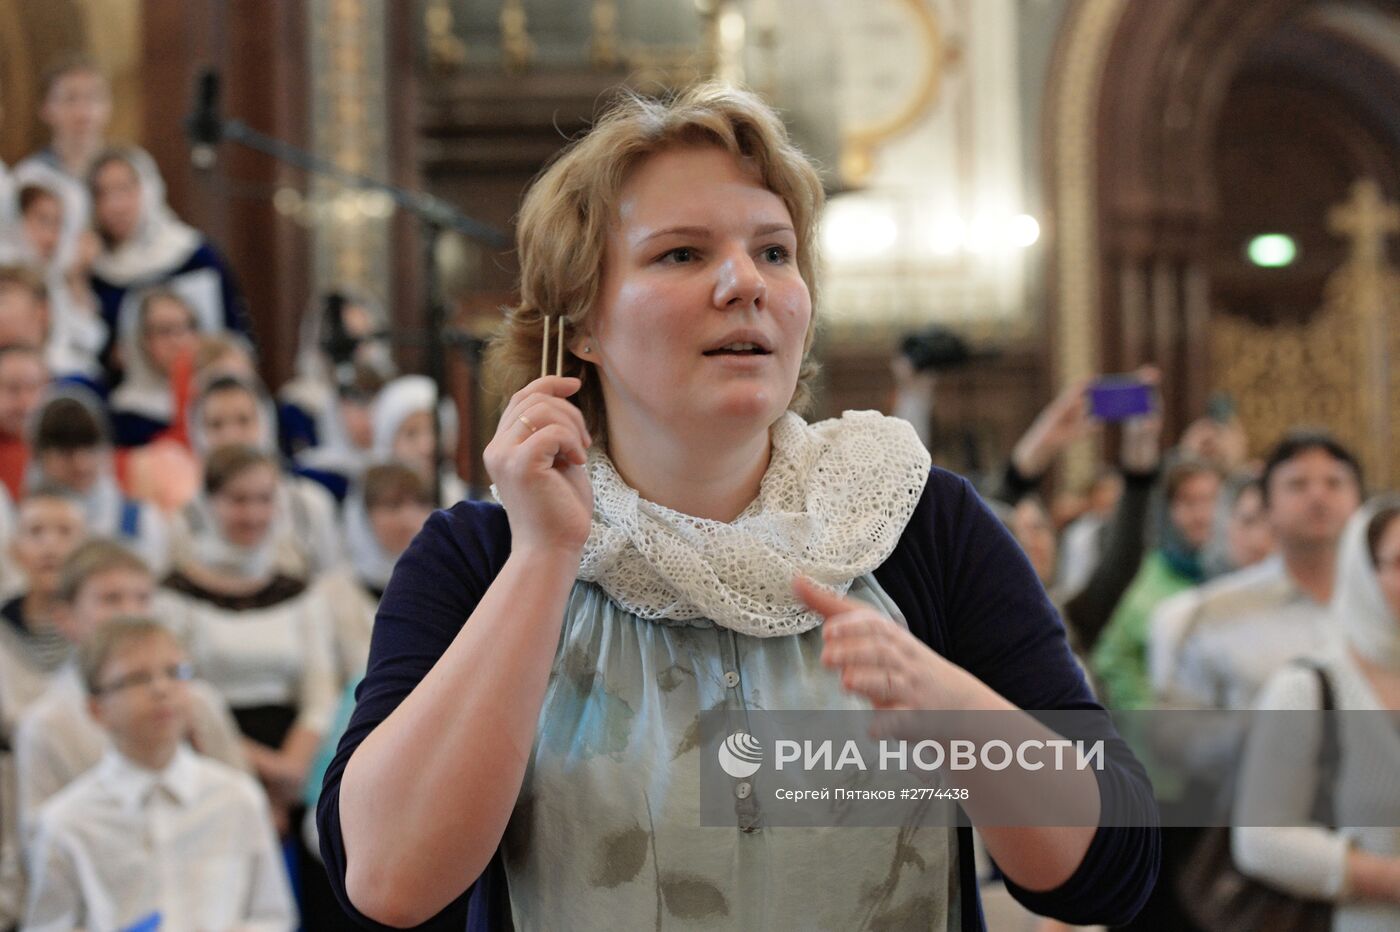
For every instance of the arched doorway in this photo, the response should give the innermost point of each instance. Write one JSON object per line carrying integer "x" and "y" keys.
{"x": 1177, "y": 130}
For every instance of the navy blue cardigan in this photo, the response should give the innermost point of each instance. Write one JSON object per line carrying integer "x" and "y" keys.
{"x": 962, "y": 583}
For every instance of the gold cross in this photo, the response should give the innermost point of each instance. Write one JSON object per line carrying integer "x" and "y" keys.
{"x": 1367, "y": 219}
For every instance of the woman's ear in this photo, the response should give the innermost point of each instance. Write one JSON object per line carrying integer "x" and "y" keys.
{"x": 581, "y": 345}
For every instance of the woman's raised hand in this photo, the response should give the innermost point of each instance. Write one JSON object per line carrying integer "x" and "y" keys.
{"x": 1061, "y": 423}
{"x": 880, "y": 660}
{"x": 536, "y": 461}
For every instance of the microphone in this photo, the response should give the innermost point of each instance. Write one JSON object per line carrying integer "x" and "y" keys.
{"x": 203, "y": 125}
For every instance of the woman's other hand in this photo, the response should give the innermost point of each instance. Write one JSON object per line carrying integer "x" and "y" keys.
{"x": 1062, "y": 422}
{"x": 536, "y": 461}
{"x": 882, "y": 661}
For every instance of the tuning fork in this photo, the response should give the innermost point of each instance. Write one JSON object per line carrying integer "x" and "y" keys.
{"x": 544, "y": 352}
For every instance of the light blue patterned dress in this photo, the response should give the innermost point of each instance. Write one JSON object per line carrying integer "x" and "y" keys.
{"x": 607, "y": 830}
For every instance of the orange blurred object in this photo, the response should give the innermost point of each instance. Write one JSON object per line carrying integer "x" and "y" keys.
{"x": 163, "y": 472}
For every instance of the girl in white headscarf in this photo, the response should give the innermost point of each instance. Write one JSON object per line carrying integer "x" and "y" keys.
{"x": 158, "y": 342}
{"x": 257, "y": 634}
{"x": 406, "y": 430}
{"x": 345, "y": 434}
{"x": 72, "y": 449}
{"x": 1355, "y": 862}
{"x": 145, "y": 244}
{"x": 229, "y": 410}
{"x": 382, "y": 514}
{"x": 43, "y": 240}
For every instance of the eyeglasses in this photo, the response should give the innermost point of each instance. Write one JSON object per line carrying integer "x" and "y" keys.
{"x": 176, "y": 673}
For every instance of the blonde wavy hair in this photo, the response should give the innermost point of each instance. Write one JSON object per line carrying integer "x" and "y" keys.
{"x": 563, "y": 226}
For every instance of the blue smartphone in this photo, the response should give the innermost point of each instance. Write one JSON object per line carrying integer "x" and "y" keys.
{"x": 1119, "y": 397}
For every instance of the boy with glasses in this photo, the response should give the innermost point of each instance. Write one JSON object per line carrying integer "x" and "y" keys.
{"x": 156, "y": 836}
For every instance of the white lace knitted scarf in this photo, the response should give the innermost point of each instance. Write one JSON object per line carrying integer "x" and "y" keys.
{"x": 832, "y": 505}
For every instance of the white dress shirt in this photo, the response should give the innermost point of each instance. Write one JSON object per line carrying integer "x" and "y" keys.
{"x": 193, "y": 843}
{"x": 1247, "y": 625}
{"x": 58, "y": 740}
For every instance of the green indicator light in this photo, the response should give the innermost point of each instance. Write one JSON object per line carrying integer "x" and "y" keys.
{"x": 1272, "y": 251}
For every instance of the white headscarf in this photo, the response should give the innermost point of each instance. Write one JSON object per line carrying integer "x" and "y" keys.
{"x": 161, "y": 243}
{"x": 1363, "y": 617}
{"x": 210, "y": 548}
{"x": 334, "y": 451}
{"x": 373, "y": 564}
{"x": 101, "y": 504}
{"x": 76, "y": 334}
{"x": 267, "y": 414}
{"x": 71, "y": 195}
{"x": 143, "y": 390}
{"x": 396, "y": 402}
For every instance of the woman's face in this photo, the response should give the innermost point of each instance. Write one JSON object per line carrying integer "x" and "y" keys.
{"x": 168, "y": 331}
{"x": 701, "y": 313}
{"x": 1249, "y": 536}
{"x": 117, "y": 201}
{"x": 1193, "y": 508}
{"x": 230, "y": 417}
{"x": 245, "y": 506}
{"x": 359, "y": 425}
{"x": 1388, "y": 567}
{"x": 415, "y": 442}
{"x": 395, "y": 523}
{"x": 77, "y": 469}
{"x": 43, "y": 226}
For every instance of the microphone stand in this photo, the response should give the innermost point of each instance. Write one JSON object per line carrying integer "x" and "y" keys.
{"x": 436, "y": 216}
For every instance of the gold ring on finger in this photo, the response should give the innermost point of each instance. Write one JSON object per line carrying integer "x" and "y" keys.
{"x": 526, "y": 421}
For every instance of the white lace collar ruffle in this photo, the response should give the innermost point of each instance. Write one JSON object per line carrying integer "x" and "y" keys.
{"x": 835, "y": 499}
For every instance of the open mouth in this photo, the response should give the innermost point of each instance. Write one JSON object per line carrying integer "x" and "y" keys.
{"x": 738, "y": 349}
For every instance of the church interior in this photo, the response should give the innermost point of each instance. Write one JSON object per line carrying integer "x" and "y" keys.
{"x": 1035, "y": 210}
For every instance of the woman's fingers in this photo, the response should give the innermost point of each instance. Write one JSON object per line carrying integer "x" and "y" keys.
{"x": 552, "y": 386}
{"x": 823, "y": 601}
{"x": 549, "y": 444}
{"x": 881, "y": 685}
{"x": 864, "y": 651}
{"x": 541, "y": 411}
{"x": 861, "y": 622}
{"x": 859, "y": 642}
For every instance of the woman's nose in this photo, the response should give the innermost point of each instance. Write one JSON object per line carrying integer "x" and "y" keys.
{"x": 740, "y": 283}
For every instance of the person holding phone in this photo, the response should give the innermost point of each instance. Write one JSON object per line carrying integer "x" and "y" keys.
{"x": 674, "y": 537}
{"x": 1120, "y": 660}
{"x": 1087, "y": 608}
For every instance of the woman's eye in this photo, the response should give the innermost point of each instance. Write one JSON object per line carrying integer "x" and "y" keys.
{"x": 679, "y": 254}
{"x": 776, "y": 254}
